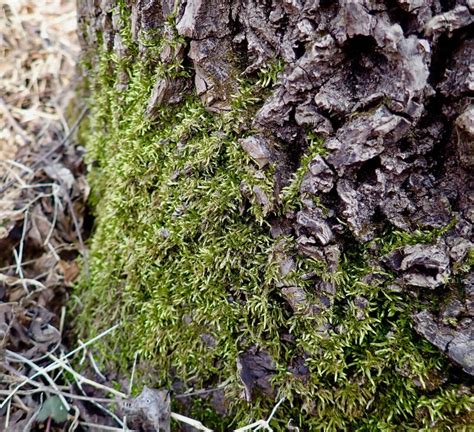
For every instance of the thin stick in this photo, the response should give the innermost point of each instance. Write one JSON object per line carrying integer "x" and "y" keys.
{"x": 62, "y": 319}
{"x": 275, "y": 409}
{"x": 124, "y": 422}
{"x": 75, "y": 420}
{"x": 20, "y": 404}
{"x": 194, "y": 423}
{"x": 19, "y": 256}
{"x": 95, "y": 367}
{"x": 202, "y": 392}
{"x": 100, "y": 407}
{"x": 130, "y": 386}
{"x": 7, "y": 417}
{"x": 33, "y": 418}
{"x": 103, "y": 427}
{"x": 54, "y": 366}
{"x": 262, "y": 424}
{"x": 41, "y": 370}
{"x": 82, "y": 379}
{"x": 43, "y": 389}
{"x": 19, "y": 165}
{"x": 17, "y": 281}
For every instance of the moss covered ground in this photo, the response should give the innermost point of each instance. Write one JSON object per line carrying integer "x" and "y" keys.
{"x": 185, "y": 264}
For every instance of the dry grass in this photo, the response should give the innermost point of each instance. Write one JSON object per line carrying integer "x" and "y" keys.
{"x": 39, "y": 50}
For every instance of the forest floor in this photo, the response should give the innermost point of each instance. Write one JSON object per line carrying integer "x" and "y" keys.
{"x": 43, "y": 192}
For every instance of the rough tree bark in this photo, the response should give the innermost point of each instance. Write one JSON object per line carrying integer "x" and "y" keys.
{"x": 386, "y": 88}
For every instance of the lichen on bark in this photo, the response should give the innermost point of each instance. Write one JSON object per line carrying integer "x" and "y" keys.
{"x": 282, "y": 200}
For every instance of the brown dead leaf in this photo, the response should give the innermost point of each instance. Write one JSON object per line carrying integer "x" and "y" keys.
{"x": 70, "y": 270}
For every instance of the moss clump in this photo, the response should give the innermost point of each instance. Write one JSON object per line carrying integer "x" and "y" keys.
{"x": 185, "y": 264}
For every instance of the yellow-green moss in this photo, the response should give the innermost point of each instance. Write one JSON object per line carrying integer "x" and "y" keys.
{"x": 177, "y": 253}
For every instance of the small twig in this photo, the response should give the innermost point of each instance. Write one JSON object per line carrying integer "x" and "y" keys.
{"x": 19, "y": 165}
{"x": 99, "y": 406}
{"x": 82, "y": 379}
{"x": 203, "y": 392}
{"x": 75, "y": 420}
{"x": 19, "y": 256}
{"x": 130, "y": 386}
{"x": 54, "y": 366}
{"x": 17, "y": 177}
{"x": 20, "y": 403}
{"x": 106, "y": 428}
{"x": 29, "y": 425}
{"x": 95, "y": 367}
{"x": 275, "y": 409}
{"x": 43, "y": 389}
{"x": 42, "y": 371}
{"x": 12, "y": 281}
{"x": 7, "y": 417}
{"x": 262, "y": 424}
{"x": 62, "y": 320}
{"x": 194, "y": 423}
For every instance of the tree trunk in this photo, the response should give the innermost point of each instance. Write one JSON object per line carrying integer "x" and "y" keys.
{"x": 283, "y": 201}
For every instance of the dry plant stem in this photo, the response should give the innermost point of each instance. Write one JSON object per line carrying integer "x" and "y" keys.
{"x": 82, "y": 379}
{"x": 95, "y": 367}
{"x": 44, "y": 389}
{"x": 130, "y": 386}
{"x": 19, "y": 357}
{"x": 194, "y": 423}
{"x": 20, "y": 403}
{"x": 19, "y": 256}
{"x": 62, "y": 319}
{"x": 7, "y": 281}
{"x": 54, "y": 365}
{"x": 53, "y": 252}
{"x": 37, "y": 359}
{"x": 7, "y": 417}
{"x": 93, "y": 363}
{"x": 75, "y": 420}
{"x": 105, "y": 428}
{"x": 100, "y": 407}
{"x": 19, "y": 165}
{"x": 202, "y": 392}
{"x": 16, "y": 177}
{"x": 262, "y": 424}
{"x": 32, "y": 419}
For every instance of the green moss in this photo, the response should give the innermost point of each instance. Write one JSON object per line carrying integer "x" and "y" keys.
{"x": 180, "y": 258}
{"x": 290, "y": 196}
{"x": 392, "y": 238}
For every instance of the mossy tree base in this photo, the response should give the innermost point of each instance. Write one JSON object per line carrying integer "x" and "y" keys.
{"x": 252, "y": 230}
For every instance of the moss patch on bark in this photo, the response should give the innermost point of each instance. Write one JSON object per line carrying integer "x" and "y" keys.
{"x": 186, "y": 264}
